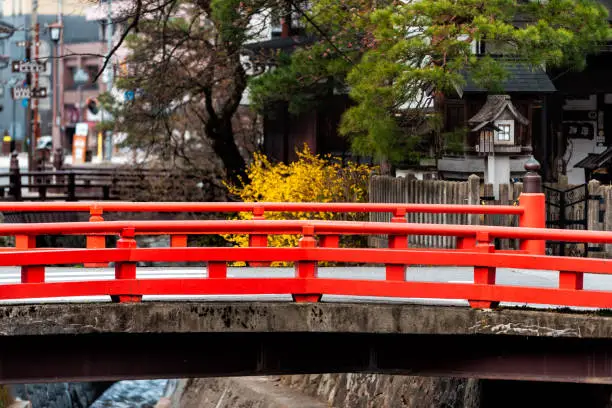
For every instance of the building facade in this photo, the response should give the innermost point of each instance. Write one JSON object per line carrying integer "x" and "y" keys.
{"x": 83, "y": 46}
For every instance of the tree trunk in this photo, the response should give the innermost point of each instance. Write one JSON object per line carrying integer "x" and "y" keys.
{"x": 225, "y": 147}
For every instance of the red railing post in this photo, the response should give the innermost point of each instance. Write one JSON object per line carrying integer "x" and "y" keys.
{"x": 484, "y": 275}
{"x": 306, "y": 269}
{"x": 466, "y": 242}
{"x": 533, "y": 203}
{"x": 571, "y": 280}
{"x": 393, "y": 271}
{"x": 126, "y": 270}
{"x": 96, "y": 241}
{"x": 30, "y": 273}
{"x": 178, "y": 241}
{"x": 217, "y": 270}
{"x": 329, "y": 241}
{"x": 258, "y": 240}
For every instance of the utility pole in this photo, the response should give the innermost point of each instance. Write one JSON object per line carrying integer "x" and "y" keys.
{"x": 32, "y": 81}
{"x": 108, "y": 134}
{"x": 28, "y": 125}
{"x": 35, "y": 116}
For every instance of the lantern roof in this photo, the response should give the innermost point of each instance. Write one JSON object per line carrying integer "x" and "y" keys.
{"x": 496, "y": 107}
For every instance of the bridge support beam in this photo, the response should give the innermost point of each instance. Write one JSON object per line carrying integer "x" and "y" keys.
{"x": 101, "y": 357}
{"x": 83, "y": 342}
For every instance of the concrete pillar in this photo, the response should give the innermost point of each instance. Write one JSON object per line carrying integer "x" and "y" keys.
{"x": 497, "y": 172}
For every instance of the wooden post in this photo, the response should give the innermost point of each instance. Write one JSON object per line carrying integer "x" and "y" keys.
{"x": 15, "y": 178}
{"x": 473, "y": 198}
{"x": 593, "y": 223}
{"x": 71, "y": 187}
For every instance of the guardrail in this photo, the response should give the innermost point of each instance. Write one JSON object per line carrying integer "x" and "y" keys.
{"x": 258, "y": 209}
{"x": 73, "y": 184}
{"x": 318, "y": 243}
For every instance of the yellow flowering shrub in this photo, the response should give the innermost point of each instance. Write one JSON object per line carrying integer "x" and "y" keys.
{"x": 311, "y": 178}
{"x": 5, "y": 396}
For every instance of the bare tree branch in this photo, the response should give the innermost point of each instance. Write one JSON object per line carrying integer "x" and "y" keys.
{"x": 132, "y": 25}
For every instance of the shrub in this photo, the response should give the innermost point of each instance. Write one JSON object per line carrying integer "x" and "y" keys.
{"x": 5, "y": 396}
{"x": 311, "y": 178}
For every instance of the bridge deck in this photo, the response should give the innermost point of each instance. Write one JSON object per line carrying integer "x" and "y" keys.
{"x": 515, "y": 277}
{"x": 80, "y": 342}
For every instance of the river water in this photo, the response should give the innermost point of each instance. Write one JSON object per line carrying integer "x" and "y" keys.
{"x": 135, "y": 394}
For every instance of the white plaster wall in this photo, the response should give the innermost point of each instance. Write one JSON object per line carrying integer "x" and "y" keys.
{"x": 577, "y": 150}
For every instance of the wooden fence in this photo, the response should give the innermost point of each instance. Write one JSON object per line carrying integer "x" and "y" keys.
{"x": 384, "y": 189}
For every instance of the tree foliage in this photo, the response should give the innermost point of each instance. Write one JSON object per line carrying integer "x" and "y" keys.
{"x": 396, "y": 58}
{"x": 185, "y": 69}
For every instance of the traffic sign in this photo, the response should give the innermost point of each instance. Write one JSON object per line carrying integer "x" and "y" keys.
{"x": 25, "y": 92}
{"x": 25, "y": 43}
{"x": 29, "y": 66}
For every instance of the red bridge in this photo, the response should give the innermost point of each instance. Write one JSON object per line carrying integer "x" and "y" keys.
{"x": 118, "y": 340}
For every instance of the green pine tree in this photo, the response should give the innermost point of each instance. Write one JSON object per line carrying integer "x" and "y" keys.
{"x": 396, "y": 58}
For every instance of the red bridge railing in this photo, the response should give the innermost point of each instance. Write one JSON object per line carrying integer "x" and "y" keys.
{"x": 318, "y": 243}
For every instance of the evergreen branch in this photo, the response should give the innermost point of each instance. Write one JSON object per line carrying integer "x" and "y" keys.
{"x": 320, "y": 31}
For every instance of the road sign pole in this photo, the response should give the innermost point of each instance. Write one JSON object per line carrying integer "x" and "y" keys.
{"x": 29, "y": 121}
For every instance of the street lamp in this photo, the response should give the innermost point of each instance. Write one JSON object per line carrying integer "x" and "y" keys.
{"x": 55, "y": 32}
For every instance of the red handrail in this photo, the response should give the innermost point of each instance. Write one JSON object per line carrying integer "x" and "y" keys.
{"x": 295, "y": 227}
{"x": 108, "y": 206}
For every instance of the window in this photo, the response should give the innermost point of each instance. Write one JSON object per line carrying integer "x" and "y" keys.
{"x": 505, "y": 134}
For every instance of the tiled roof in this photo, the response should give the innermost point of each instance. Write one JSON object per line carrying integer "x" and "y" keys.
{"x": 493, "y": 108}
{"x": 521, "y": 78}
{"x": 594, "y": 161}
{"x": 286, "y": 44}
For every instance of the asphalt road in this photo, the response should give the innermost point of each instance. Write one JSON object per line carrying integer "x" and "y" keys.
{"x": 516, "y": 277}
